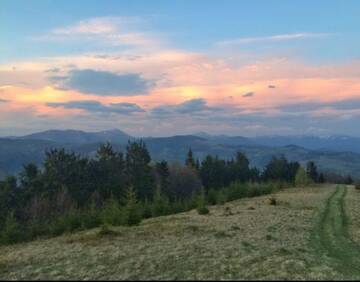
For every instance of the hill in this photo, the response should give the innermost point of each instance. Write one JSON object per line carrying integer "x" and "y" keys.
{"x": 14, "y": 152}
{"x": 245, "y": 239}
{"x": 79, "y": 137}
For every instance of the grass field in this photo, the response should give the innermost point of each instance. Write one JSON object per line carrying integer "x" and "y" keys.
{"x": 312, "y": 233}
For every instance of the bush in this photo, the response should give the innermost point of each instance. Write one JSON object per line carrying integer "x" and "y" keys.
{"x": 177, "y": 206}
{"x": 57, "y": 226}
{"x": 272, "y": 201}
{"x": 73, "y": 220}
{"x": 131, "y": 211}
{"x": 302, "y": 179}
{"x": 201, "y": 206}
{"x": 212, "y": 196}
{"x": 357, "y": 186}
{"x": 36, "y": 228}
{"x": 160, "y": 205}
{"x": 105, "y": 230}
{"x": 235, "y": 191}
{"x": 90, "y": 218}
{"x": 146, "y": 211}
{"x": 112, "y": 214}
{"x": 12, "y": 232}
{"x": 221, "y": 197}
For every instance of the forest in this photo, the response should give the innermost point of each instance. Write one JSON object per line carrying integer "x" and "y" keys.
{"x": 70, "y": 192}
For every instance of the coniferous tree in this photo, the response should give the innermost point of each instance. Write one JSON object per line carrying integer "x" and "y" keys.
{"x": 131, "y": 210}
{"x": 190, "y": 162}
{"x": 163, "y": 174}
{"x": 108, "y": 172}
{"x": 301, "y": 178}
{"x": 201, "y": 204}
{"x": 138, "y": 169}
{"x": 311, "y": 171}
{"x": 160, "y": 205}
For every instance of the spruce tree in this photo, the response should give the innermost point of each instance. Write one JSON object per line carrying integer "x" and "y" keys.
{"x": 311, "y": 171}
{"x": 138, "y": 169}
{"x": 201, "y": 203}
{"x": 131, "y": 210}
{"x": 190, "y": 162}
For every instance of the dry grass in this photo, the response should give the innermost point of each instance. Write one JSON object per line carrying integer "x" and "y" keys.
{"x": 245, "y": 239}
{"x": 352, "y": 206}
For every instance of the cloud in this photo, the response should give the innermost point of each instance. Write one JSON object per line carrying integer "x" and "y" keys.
{"x": 4, "y": 100}
{"x": 272, "y": 38}
{"x": 97, "y": 107}
{"x": 103, "y": 25}
{"x": 194, "y": 106}
{"x": 125, "y": 108}
{"x": 314, "y": 106}
{"x": 248, "y": 94}
{"x": 348, "y": 104}
{"x": 102, "y": 83}
{"x": 271, "y": 86}
{"x": 53, "y": 70}
{"x": 112, "y": 31}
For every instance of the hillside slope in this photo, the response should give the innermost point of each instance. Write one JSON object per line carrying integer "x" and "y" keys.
{"x": 16, "y": 152}
{"x": 245, "y": 239}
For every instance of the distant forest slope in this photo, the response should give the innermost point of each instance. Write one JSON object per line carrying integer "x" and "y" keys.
{"x": 14, "y": 152}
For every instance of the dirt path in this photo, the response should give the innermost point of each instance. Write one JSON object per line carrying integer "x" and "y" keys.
{"x": 332, "y": 237}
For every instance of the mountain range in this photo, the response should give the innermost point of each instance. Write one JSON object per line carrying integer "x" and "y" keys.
{"x": 339, "y": 154}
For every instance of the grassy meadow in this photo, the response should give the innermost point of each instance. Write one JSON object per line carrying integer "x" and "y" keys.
{"x": 293, "y": 238}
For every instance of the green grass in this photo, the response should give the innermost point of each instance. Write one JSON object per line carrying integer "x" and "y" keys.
{"x": 332, "y": 236}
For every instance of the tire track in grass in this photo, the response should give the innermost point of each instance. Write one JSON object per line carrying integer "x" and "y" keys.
{"x": 332, "y": 238}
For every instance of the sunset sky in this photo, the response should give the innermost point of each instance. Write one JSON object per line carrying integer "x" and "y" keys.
{"x": 177, "y": 67}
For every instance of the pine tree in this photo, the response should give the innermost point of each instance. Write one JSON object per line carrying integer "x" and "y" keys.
{"x": 190, "y": 159}
{"x": 163, "y": 173}
{"x": 138, "y": 169}
{"x": 131, "y": 211}
{"x": 160, "y": 205}
{"x": 112, "y": 214}
{"x": 301, "y": 178}
{"x": 201, "y": 205}
{"x": 311, "y": 171}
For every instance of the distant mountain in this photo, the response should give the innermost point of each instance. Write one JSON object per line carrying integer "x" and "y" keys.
{"x": 15, "y": 152}
{"x": 338, "y": 143}
{"x": 79, "y": 137}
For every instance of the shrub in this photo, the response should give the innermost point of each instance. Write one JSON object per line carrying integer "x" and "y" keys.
{"x": 12, "y": 231}
{"x": 160, "y": 205}
{"x": 272, "y": 201}
{"x": 105, "y": 230}
{"x": 57, "y": 226}
{"x": 90, "y": 218}
{"x": 201, "y": 206}
{"x": 302, "y": 179}
{"x": 212, "y": 196}
{"x": 177, "y": 206}
{"x": 73, "y": 220}
{"x": 111, "y": 214}
{"x": 221, "y": 197}
{"x": 131, "y": 211}
{"x": 357, "y": 186}
{"x": 146, "y": 211}
{"x": 236, "y": 191}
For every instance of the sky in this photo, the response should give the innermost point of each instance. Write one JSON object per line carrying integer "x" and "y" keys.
{"x": 160, "y": 68}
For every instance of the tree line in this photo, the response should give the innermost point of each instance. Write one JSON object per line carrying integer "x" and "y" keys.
{"x": 71, "y": 192}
